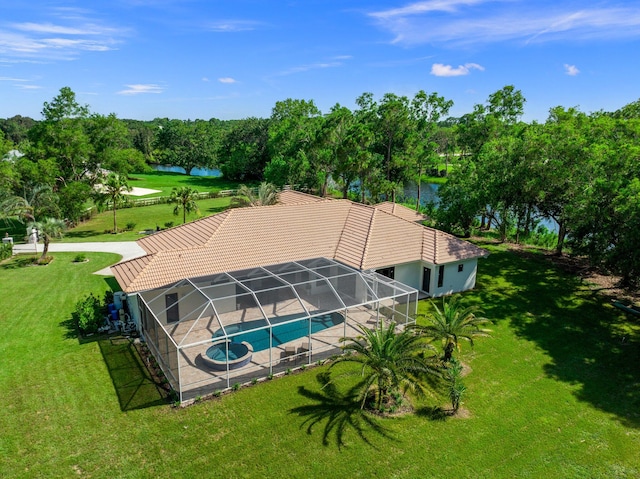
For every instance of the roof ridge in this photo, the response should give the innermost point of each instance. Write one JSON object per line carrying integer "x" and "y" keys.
{"x": 435, "y": 247}
{"x": 226, "y": 215}
{"x": 367, "y": 242}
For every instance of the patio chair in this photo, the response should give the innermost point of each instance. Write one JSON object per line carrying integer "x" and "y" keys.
{"x": 305, "y": 348}
{"x": 289, "y": 352}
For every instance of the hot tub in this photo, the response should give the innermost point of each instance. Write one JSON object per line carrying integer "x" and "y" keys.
{"x": 239, "y": 355}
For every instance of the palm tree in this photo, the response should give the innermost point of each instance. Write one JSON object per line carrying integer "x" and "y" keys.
{"x": 267, "y": 194}
{"x": 453, "y": 323}
{"x": 455, "y": 386}
{"x": 48, "y": 229}
{"x": 391, "y": 362}
{"x": 38, "y": 200}
{"x": 113, "y": 189}
{"x": 185, "y": 199}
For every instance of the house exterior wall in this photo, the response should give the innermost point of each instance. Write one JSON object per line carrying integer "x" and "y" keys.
{"x": 410, "y": 274}
{"x": 454, "y": 281}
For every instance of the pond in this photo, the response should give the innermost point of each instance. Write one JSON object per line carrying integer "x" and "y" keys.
{"x": 195, "y": 172}
{"x": 429, "y": 194}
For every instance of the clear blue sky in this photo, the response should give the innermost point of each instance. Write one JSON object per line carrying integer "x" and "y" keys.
{"x": 231, "y": 59}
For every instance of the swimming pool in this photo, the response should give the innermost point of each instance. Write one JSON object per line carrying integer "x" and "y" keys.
{"x": 285, "y": 333}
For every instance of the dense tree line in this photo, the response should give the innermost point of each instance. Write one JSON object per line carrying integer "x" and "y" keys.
{"x": 579, "y": 169}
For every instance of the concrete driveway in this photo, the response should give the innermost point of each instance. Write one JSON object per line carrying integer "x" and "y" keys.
{"x": 127, "y": 249}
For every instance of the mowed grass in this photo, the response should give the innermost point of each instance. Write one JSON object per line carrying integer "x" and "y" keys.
{"x": 555, "y": 393}
{"x": 145, "y": 218}
{"x": 165, "y": 182}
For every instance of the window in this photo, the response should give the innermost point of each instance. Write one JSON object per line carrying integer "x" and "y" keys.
{"x": 388, "y": 272}
{"x": 440, "y": 276}
{"x": 460, "y": 268}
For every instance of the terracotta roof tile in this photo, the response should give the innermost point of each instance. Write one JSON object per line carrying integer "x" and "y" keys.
{"x": 400, "y": 211}
{"x": 358, "y": 235}
{"x": 292, "y": 197}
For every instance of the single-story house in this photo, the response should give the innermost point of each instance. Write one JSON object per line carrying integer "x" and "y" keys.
{"x": 307, "y": 269}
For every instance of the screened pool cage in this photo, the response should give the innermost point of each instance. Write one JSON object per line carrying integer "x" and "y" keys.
{"x": 213, "y": 332}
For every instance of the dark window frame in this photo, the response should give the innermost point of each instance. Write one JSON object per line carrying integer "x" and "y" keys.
{"x": 389, "y": 272}
{"x": 440, "y": 276}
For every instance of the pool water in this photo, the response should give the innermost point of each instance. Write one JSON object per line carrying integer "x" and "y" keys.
{"x": 219, "y": 353}
{"x": 287, "y": 332}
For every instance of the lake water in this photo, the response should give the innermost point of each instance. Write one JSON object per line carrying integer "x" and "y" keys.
{"x": 428, "y": 191}
{"x": 429, "y": 194}
{"x": 195, "y": 172}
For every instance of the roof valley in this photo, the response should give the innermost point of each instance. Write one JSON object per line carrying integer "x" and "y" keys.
{"x": 367, "y": 240}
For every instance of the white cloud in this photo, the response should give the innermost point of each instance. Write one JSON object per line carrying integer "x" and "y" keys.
{"x": 64, "y": 38}
{"x": 205, "y": 79}
{"x": 50, "y": 28}
{"x": 227, "y": 80}
{"x": 441, "y": 70}
{"x": 481, "y": 21}
{"x": 141, "y": 88}
{"x": 224, "y": 26}
{"x": 571, "y": 70}
{"x": 13, "y": 79}
{"x": 315, "y": 66}
{"x": 424, "y": 7}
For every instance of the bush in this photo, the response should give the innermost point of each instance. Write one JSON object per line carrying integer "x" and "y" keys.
{"x": 130, "y": 226}
{"x": 80, "y": 258}
{"x": 88, "y": 314}
{"x": 6, "y": 250}
{"x": 168, "y": 224}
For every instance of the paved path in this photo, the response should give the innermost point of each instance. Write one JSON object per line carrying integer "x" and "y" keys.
{"x": 128, "y": 250}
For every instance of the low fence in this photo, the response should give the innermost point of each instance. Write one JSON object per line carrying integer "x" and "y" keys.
{"x": 160, "y": 200}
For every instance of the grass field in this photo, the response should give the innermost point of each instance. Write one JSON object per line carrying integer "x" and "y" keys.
{"x": 147, "y": 217}
{"x": 144, "y": 217}
{"x": 555, "y": 393}
{"x": 165, "y": 182}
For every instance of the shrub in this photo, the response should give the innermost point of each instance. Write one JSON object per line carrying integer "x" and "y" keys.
{"x": 80, "y": 258}
{"x": 130, "y": 226}
{"x": 6, "y": 250}
{"x": 88, "y": 314}
{"x": 168, "y": 224}
{"x": 236, "y": 386}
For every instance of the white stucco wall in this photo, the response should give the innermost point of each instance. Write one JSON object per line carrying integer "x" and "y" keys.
{"x": 454, "y": 281}
{"x": 410, "y": 274}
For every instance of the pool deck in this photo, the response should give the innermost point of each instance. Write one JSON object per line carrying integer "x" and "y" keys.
{"x": 199, "y": 380}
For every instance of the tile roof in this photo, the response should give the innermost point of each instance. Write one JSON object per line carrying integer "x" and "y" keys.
{"x": 400, "y": 210}
{"x": 358, "y": 235}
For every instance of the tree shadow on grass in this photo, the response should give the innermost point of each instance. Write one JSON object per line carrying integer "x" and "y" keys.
{"x": 132, "y": 382}
{"x": 83, "y": 234}
{"x": 590, "y": 342}
{"x": 216, "y": 209}
{"x": 20, "y": 261}
{"x": 339, "y": 412}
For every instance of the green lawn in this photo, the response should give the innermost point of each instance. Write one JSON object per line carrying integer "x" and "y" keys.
{"x": 165, "y": 182}
{"x": 554, "y": 394}
{"x": 144, "y": 217}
